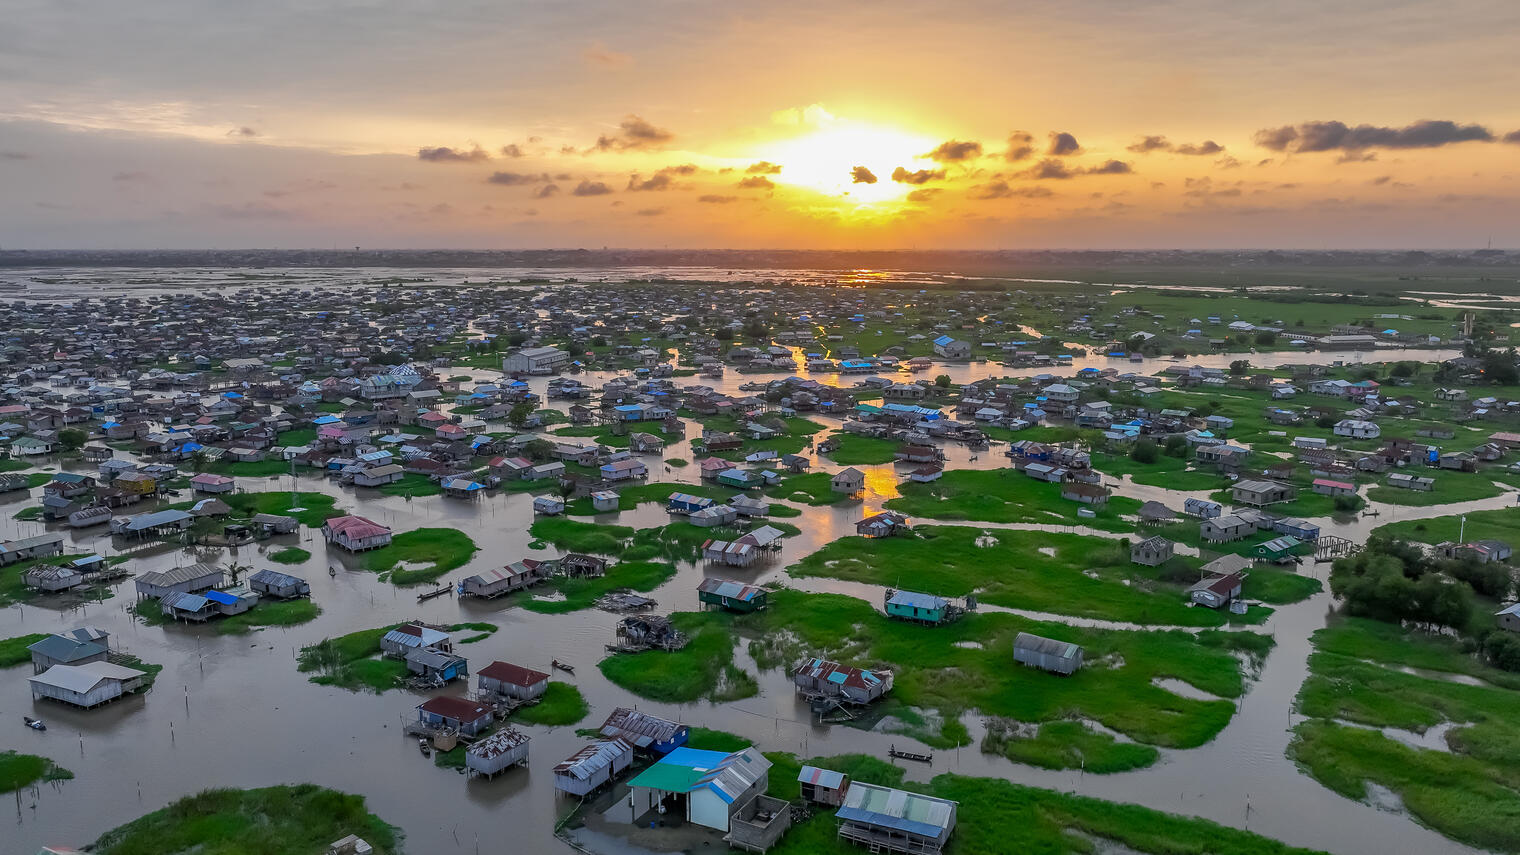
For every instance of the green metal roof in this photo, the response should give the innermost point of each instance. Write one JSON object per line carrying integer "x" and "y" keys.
{"x": 669, "y": 777}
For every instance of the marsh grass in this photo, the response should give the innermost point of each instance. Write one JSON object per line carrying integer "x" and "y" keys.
{"x": 268, "y": 613}
{"x": 436, "y": 550}
{"x": 22, "y": 770}
{"x": 300, "y": 820}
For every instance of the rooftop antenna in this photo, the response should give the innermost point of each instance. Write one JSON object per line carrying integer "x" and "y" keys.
{"x": 293, "y": 492}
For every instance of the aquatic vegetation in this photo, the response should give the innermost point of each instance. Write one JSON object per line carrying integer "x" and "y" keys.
{"x": 297, "y": 818}
{"x": 968, "y": 665}
{"x": 1357, "y": 675}
{"x": 268, "y": 613}
{"x": 430, "y": 552}
{"x": 702, "y": 669}
{"x": 22, "y": 770}
{"x": 562, "y": 704}
{"x": 13, "y": 651}
{"x": 289, "y": 555}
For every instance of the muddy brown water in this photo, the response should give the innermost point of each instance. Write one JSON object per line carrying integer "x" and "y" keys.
{"x": 232, "y": 711}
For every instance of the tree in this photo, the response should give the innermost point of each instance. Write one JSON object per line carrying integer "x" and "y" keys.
{"x": 72, "y": 438}
{"x": 1239, "y": 367}
{"x": 1176, "y": 445}
{"x": 1145, "y": 451}
{"x": 1499, "y": 368}
{"x": 1404, "y": 369}
{"x": 518, "y": 415}
{"x": 1179, "y": 352}
{"x": 942, "y": 381}
{"x": 539, "y": 450}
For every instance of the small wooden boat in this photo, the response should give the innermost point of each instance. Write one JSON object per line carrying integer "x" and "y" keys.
{"x": 437, "y": 592}
{"x": 909, "y": 755}
{"x": 568, "y": 669}
{"x": 424, "y": 746}
{"x": 34, "y": 723}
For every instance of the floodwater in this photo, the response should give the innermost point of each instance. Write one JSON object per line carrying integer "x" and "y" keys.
{"x": 233, "y": 710}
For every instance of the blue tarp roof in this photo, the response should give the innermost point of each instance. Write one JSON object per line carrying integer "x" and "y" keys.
{"x": 220, "y": 597}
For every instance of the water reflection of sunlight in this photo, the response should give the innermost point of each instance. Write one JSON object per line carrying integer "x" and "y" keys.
{"x": 881, "y": 484}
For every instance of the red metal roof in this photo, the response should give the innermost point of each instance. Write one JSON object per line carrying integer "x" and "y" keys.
{"x": 516, "y": 675}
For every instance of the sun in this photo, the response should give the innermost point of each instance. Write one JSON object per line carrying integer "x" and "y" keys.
{"x": 824, "y": 159}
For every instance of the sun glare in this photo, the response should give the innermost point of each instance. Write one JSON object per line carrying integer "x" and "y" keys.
{"x": 825, "y": 160}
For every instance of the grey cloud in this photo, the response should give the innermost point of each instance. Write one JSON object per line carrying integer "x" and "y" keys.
{"x": 546, "y": 191}
{"x": 514, "y": 179}
{"x": 649, "y": 212}
{"x": 1205, "y": 147}
{"x": 1000, "y": 189}
{"x": 1111, "y": 167}
{"x": 634, "y": 134}
{"x": 591, "y": 188}
{"x": 756, "y": 182}
{"x": 243, "y": 131}
{"x": 952, "y": 151}
{"x": 1338, "y": 136}
{"x": 658, "y": 181}
{"x": 927, "y": 194}
{"x": 1047, "y": 170}
{"x": 1512, "y": 137}
{"x": 922, "y": 176}
{"x": 512, "y": 150}
{"x": 715, "y": 199}
{"x": 14, "y": 155}
{"x": 1020, "y": 146}
{"x": 445, "y": 154}
{"x": 764, "y": 167}
{"x": 862, "y": 175}
{"x": 1062, "y": 143}
{"x": 1149, "y": 144}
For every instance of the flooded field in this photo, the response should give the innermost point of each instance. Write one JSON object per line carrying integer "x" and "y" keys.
{"x": 232, "y": 710}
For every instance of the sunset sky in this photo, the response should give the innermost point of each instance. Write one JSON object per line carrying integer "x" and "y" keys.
{"x": 653, "y": 123}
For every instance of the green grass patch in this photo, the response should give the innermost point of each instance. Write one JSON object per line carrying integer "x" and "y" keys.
{"x": 411, "y": 485}
{"x": 296, "y": 437}
{"x": 431, "y": 552}
{"x": 560, "y": 705}
{"x": 706, "y": 739}
{"x": 1498, "y": 524}
{"x": 31, "y": 514}
{"x": 1449, "y": 487}
{"x": 352, "y": 662}
{"x": 13, "y": 651}
{"x": 267, "y": 468}
{"x": 1357, "y": 675}
{"x": 809, "y": 488}
{"x": 856, "y": 450}
{"x": 23, "y": 770}
{"x": 1005, "y": 495}
{"x": 318, "y": 507}
{"x": 1069, "y": 745}
{"x": 1038, "y": 571}
{"x": 677, "y": 462}
{"x": 269, "y": 613}
{"x": 968, "y": 665}
{"x": 576, "y": 536}
{"x": 581, "y": 592}
{"x": 994, "y": 815}
{"x": 702, "y": 669}
{"x": 300, "y": 820}
{"x": 289, "y": 555}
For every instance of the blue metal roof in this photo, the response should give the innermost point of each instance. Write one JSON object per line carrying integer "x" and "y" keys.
{"x": 221, "y": 598}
